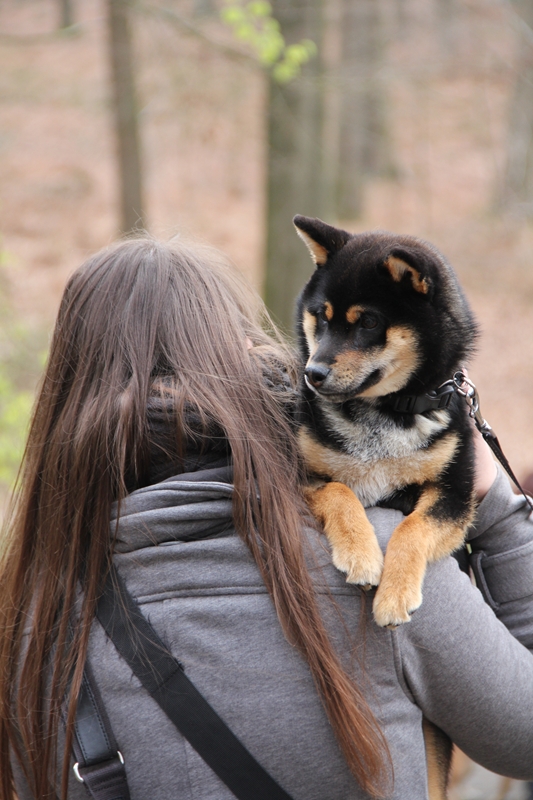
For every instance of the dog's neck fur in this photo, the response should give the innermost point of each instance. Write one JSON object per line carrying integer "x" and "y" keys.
{"x": 371, "y": 434}
{"x": 371, "y": 452}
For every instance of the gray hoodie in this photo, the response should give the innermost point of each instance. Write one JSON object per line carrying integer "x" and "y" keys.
{"x": 456, "y": 662}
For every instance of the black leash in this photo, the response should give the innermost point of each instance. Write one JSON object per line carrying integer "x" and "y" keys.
{"x": 441, "y": 398}
{"x": 163, "y": 677}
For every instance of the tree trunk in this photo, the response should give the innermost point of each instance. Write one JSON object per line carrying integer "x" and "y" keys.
{"x": 365, "y": 147}
{"x": 296, "y": 181}
{"x": 516, "y": 193}
{"x": 126, "y": 122}
{"x": 447, "y": 26}
{"x": 66, "y": 15}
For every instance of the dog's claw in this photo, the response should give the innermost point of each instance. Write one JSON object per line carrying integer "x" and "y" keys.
{"x": 392, "y": 607}
{"x": 362, "y": 569}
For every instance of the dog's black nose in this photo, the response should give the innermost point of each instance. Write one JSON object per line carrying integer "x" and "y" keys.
{"x": 316, "y": 374}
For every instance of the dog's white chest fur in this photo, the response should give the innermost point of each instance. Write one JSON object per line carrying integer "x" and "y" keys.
{"x": 377, "y": 456}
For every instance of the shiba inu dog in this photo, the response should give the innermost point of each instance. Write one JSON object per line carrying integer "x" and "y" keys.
{"x": 383, "y": 326}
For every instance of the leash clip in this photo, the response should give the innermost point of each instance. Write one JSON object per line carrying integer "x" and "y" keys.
{"x": 467, "y": 389}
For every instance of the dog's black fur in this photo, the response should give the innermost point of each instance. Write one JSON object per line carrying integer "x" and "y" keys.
{"x": 383, "y": 316}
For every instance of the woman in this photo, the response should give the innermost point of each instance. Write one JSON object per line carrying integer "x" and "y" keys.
{"x": 161, "y": 384}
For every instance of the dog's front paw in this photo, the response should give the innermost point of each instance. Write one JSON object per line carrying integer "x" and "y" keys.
{"x": 363, "y": 564}
{"x": 394, "y": 605}
{"x": 354, "y": 547}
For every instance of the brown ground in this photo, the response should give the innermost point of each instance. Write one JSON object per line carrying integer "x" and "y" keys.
{"x": 204, "y": 144}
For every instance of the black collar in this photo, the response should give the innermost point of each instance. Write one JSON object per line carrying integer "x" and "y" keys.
{"x": 419, "y": 403}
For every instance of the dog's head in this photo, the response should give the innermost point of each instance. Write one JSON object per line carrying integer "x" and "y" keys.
{"x": 381, "y": 314}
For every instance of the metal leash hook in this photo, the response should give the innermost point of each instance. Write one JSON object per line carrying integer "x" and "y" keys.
{"x": 467, "y": 389}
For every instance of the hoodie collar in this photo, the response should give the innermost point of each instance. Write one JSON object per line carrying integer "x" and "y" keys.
{"x": 183, "y": 508}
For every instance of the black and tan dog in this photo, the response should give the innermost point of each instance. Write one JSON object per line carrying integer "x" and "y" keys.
{"x": 383, "y": 326}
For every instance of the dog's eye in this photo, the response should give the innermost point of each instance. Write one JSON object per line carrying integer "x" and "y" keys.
{"x": 369, "y": 321}
{"x": 321, "y": 319}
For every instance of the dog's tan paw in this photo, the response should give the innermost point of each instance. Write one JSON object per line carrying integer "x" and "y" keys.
{"x": 393, "y": 606}
{"x": 354, "y": 547}
{"x": 363, "y": 565}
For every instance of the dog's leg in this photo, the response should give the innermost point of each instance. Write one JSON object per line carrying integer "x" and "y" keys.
{"x": 438, "y": 759}
{"x": 430, "y": 532}
{"x": 355, "y": 549}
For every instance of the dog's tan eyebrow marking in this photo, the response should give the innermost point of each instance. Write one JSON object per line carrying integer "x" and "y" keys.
{"x": 353, "y": 313}
{"x": 398, "y": 268}
{"x": 328, "y": 310}
{"x": 309, "y": 326}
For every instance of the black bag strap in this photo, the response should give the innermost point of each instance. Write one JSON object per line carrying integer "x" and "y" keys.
{"x": 99, "y": 764}
{"x": 164, "y": 678}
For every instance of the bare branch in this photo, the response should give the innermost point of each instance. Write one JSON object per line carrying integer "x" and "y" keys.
{"x": 125, "y": 116}
{"x": 66, "y": 12}
{"x": 38, "y": 38}
{"x": 189, "y": 27}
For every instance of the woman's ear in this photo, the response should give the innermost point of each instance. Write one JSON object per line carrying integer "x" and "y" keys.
{"x": 321, "y": 239}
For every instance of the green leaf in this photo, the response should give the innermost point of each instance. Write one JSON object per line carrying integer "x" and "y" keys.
{"x": 15, "y": 409}
{"x": 254, "y": 24}
{"x": 259, "y": 8}
{"x": 232, "y": 15}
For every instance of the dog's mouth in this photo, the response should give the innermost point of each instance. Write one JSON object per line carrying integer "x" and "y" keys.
{"x": 310, "y": 385}
{"x": 328, "y": 393}
{"x": 336, "y": 394}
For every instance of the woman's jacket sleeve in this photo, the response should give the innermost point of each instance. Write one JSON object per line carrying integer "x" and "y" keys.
{"x": 458, "y": 661}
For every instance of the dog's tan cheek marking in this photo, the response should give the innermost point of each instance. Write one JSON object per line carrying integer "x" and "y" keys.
{"x": 404, "y": 348}
{"x": 354, "y": 361}
{"x": 399, "y": 358}
{"x": 351, "y": 365}
{"x": 353, "y": 314}
{"x": 328, "y": 310}
{"x": 399, "y": 268}
{"x": 309, "y": 326}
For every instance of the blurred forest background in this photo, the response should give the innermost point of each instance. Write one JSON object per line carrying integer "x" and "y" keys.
{"x": 413, "y": 115}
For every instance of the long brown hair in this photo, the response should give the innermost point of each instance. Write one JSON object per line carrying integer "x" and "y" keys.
{"x": 133, "y": 313}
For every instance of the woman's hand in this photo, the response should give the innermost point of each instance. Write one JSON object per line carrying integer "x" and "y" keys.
{"x": 485, "y": 466}
{"x": 486, "y": 471}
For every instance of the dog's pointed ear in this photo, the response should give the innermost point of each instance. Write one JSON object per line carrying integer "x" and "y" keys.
{"x": 404, "y": 263}
{"x": 321, "y": 239}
